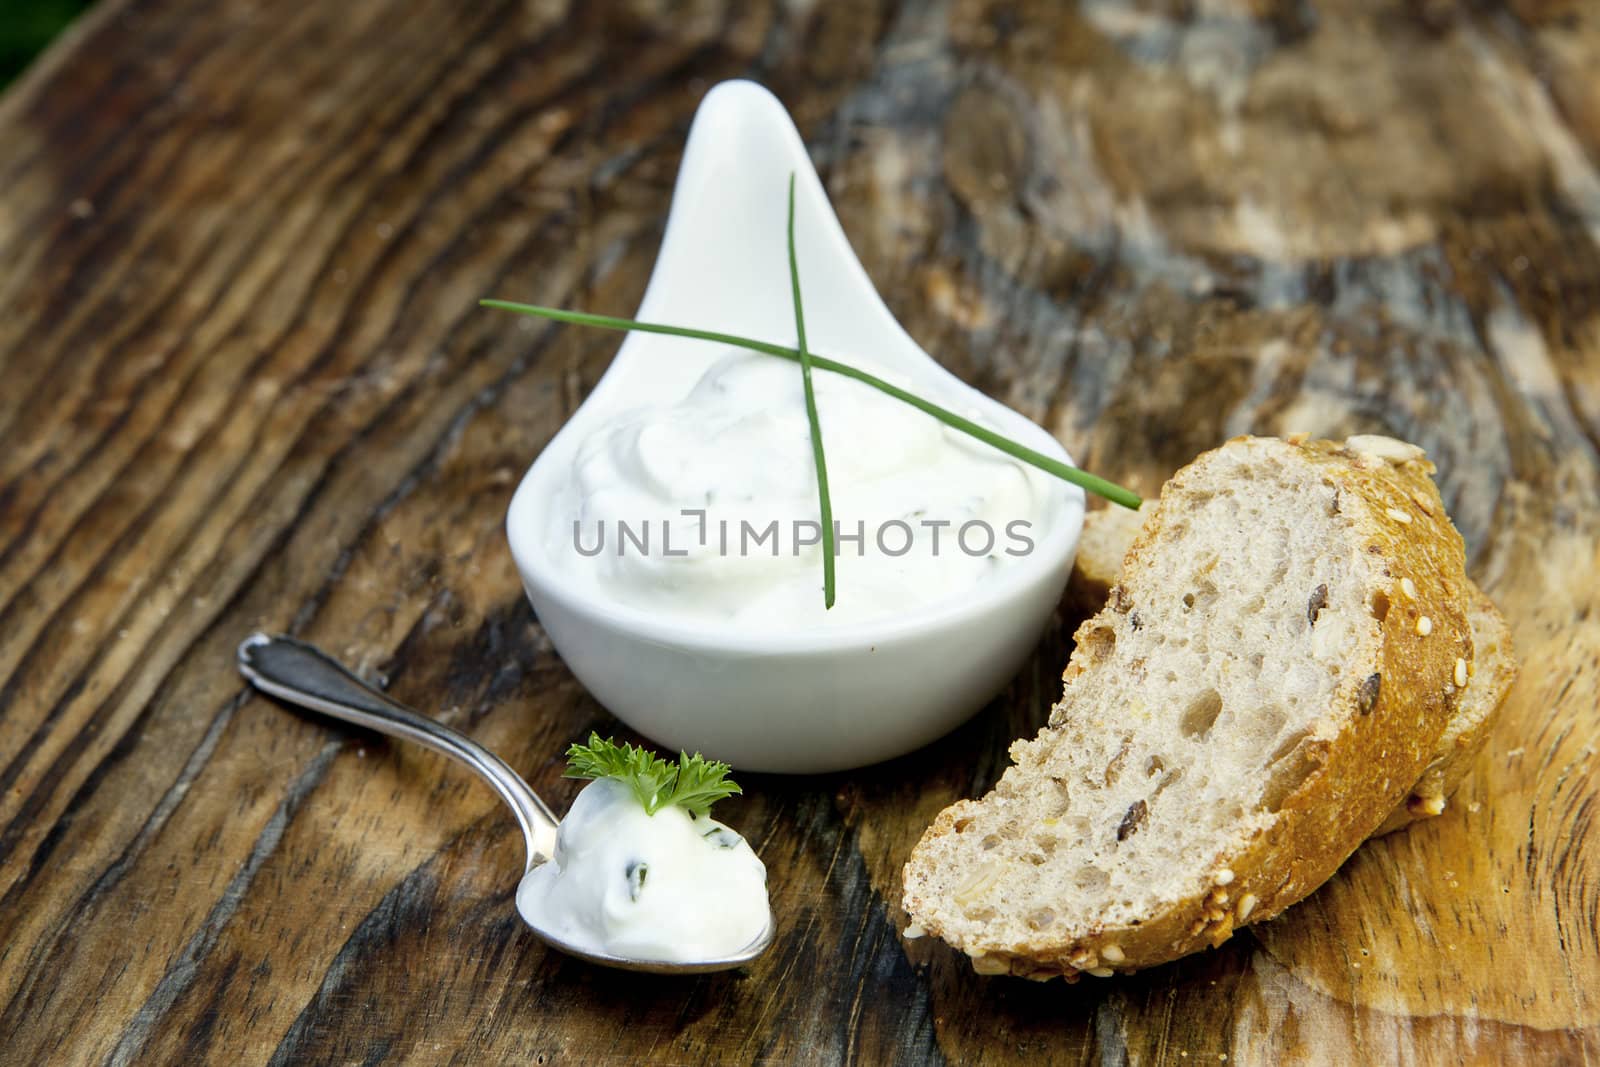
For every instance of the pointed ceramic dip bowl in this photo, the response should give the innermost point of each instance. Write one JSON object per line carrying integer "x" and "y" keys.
{"x": 813, "y": 700}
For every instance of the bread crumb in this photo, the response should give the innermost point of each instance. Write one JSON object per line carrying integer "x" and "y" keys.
{"x": 987, "y": 964}
{"x": 1426, "y": 806}
{"x": 1389, "y": 448}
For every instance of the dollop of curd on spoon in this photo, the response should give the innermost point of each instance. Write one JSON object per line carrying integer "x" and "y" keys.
{"x": 671, "y": 886}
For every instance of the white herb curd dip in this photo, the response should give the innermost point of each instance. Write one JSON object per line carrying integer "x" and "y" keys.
{"x": 671, "y": 887}
{"x": 705, "y": 507}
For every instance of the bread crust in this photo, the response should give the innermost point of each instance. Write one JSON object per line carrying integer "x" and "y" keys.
{"x": 1493, "y": 670}
{"x": 1389, "y": 730}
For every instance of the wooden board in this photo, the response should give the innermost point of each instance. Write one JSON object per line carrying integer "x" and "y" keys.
{"x": 243, "y": 384}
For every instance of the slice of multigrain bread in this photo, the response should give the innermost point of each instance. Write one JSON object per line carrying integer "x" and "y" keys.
{"x": 1273, "y": 671}
{"x": 1109, "y": 532}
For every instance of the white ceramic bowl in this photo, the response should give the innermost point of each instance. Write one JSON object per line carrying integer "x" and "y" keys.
{"x": 804, "y": 702}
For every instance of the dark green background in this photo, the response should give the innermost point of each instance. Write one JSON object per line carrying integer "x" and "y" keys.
{"x": 26, "y": 26}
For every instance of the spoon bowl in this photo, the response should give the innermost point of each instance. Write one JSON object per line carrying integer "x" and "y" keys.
{"x": 308, "y": 677}
{"x": 808, "y": 700}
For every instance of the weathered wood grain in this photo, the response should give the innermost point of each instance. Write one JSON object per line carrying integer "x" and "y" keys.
{"x": 245, "y": 385}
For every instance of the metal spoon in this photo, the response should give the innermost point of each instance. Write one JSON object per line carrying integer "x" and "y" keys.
{"x": 305, "y": 675}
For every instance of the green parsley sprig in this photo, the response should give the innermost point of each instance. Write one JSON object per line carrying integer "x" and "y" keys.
{"x": 694, "y": 784}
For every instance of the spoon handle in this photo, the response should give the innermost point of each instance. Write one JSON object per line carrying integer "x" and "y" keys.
{"x": 305, "y": 675}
